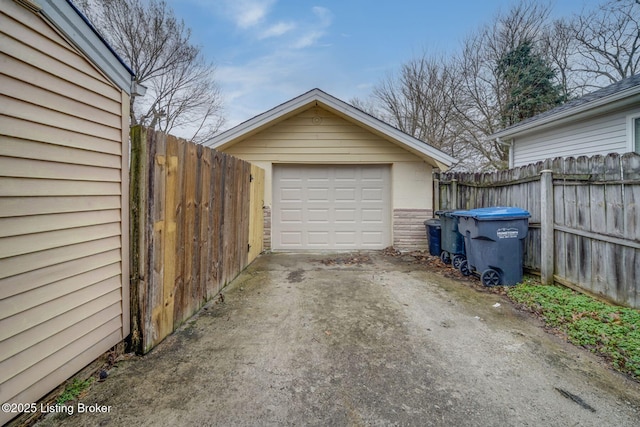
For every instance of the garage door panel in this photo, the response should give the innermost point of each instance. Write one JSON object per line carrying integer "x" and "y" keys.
{"x": 317, "y": 194}
{"x": 318, "y": 216}
{"x": 372, "y": 216}
{"x": 345, "y": 175}
{"x": 345, "y": 194}
{"x": 371, "y": 238}
{"x": 372, "y": 195}
{"x": 318, "y": 238}
{"x": 292, "y": 216}
{"x": 343, "y": 215}
{"x": 291, "y": 238}
{"x": 314, "y": 174}
{"x": 345, "y": 238}
{"x": 331, "y": 207}
{"x": 291, "y": 194}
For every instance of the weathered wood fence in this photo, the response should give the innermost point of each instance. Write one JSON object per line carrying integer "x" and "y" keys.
{"x": 196, "y": 222}
{"x": 584, "y": 229}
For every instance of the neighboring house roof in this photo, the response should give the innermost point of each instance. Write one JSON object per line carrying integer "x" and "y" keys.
{"x": 77, "y": 28}
{"x": 620, "y": 94}
{"x": 317, "y": 97}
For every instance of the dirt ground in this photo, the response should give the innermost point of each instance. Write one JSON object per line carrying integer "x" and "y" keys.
{"x": 360, "y": 339}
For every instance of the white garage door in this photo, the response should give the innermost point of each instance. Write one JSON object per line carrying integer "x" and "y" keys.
{"x": 331, "y": 207}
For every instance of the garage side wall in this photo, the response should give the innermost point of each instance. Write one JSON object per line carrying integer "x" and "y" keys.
{"x": 317, "y": 136}
{"x": 63, "y": 215}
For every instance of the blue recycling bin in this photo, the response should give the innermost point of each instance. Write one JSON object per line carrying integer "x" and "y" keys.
{"x": 494, "y": 242}
{"x": 433, "y": 235}
{"x": 451, "y": 241}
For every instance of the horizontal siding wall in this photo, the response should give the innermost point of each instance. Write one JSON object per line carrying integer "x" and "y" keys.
{"x": 318, "y": 136}
{"x": 61, "y": 201}
{"x": 600, "y": 135}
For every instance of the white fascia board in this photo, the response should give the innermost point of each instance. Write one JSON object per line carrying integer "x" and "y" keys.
{"x": 331, "y": 103}
{"x": 600, "y": 106}
{"x": 65, "y": 17}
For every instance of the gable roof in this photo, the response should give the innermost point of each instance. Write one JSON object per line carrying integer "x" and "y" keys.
{"x": 619, "y": 94}
{"x": 317, "y": 97}
{"x": 77, "y": 28}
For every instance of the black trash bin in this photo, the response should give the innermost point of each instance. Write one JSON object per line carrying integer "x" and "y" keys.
{"x": 494, "y": 243}
{"x": 451, "y": 241}
{"x": 433, "y": 235}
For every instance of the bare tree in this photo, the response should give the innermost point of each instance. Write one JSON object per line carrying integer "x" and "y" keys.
{"x": 559, "y": 46}
{"x": 182, "y": 94}
{"x": 608, "y": 42}
{"x": 418, "y": 101}
{"x": 483, "y": 93}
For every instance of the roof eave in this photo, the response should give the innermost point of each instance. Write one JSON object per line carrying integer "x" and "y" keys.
{"x": 596, "y": 107}
{"x": 330, "y": 103}
{"x": 78, "y": 30}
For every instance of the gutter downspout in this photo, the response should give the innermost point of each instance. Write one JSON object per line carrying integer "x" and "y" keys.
{"x": 510, "y": 145}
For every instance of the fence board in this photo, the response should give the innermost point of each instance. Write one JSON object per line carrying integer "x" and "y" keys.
{"x": 631, "y": 196}
{"x": 169, "y": 240}
{"x": 256, "y": 223}
{"x": 193, "y": 231}
{"x": 584, "y": 260}
{"x": 599, "y": 267}
{"x": 596, "y": 217}
{"x": 205, "y": 224}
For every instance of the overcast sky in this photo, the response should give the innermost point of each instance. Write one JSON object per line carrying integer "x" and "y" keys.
{"x": 269, "y": 51}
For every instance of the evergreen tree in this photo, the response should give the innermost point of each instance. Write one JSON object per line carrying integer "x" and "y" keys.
{"x": 529, "y": 87}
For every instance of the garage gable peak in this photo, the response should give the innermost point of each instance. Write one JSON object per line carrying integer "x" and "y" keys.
{"x": 319, "y": 98}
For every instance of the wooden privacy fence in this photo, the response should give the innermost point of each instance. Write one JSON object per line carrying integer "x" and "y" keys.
{"x": 196, "y": 222}
{"x": 584, "y": 229}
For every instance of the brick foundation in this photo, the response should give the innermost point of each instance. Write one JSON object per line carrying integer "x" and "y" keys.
{"x": 266, "y": 239}
{"x": 409, "y": 232}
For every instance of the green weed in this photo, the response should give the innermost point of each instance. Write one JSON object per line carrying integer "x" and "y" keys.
{"x": 604, "y": 329}
{"x": 73, "y": 390}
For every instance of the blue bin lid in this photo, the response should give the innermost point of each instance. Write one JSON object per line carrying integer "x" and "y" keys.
{"x": 498, "y": 212}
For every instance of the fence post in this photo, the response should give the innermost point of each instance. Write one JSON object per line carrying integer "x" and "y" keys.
{"x": 453, "y": 202}
{"x": 436, "y": 191}
{"x": 138, "y": 177}
{"x": 546, "y": 227}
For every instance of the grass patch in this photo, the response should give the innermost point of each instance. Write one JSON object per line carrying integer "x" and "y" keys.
{"x": 604, "y": 329}
{"x": 73, "y": 390}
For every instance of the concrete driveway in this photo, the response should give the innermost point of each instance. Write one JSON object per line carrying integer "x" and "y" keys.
{"x": 360, "y": 339}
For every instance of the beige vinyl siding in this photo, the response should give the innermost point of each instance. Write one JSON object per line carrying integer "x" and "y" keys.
{"x": 63, "y": 208}
{"x": 317, "y": 136}
{"x": 600, "y": 135}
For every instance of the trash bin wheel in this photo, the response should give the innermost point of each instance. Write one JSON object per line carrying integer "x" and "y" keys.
{"x": 457, "y": 260}
{"x": 464, "y": 268}
{"x": 445, "y": 257}
{"x": 490, "y": 277}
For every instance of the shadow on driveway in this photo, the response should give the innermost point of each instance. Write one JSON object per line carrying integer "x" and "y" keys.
{"x": 366, "y": 339}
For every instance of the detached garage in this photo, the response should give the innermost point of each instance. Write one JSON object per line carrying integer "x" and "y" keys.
{"x": 337, "y": 178}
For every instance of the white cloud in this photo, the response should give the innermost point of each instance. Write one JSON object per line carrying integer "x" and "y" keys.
{"x": 246, "y": 13}
{"x": 324, "y": 14}
{"x": 252, "y": 87}
{"x": 275, "y": 58}
{"x": 277, "y": 30}
{"x": 307, "y": 39}
{"x": 315, "y": 31}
